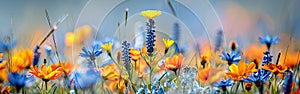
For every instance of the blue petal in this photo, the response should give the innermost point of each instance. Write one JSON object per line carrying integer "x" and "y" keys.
{"x": 29, "y": 80}
{"x": 248, "y": 80}
{"x": 275, "y": 40}
{"x": 11, "y": 78}
{"x": 84, "y": 50}
{"x": 237, "y": 59}
{"x": 96, "y": 47}
{"x": 86, "y": 79}
{"x": 262, "y": 40}
{"x": 268, "y": 38}
{"x": 97, "y": 53}
{"x": 83, "y": 55}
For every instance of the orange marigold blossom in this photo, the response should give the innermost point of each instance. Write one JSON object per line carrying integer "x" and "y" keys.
{"x": 47, "y": 73}
{"x": 174, "y": 63}
{"x": 240, "y": 71}
{"x": 67, "y": 67}
{"x": 135, "y": 54}
{"x": 109, "y": 72}
{"x": 21, "y": 61}
{"x": 276, "y": 69}
{"x": 210, "y": 75}
{"x": 113, "y": 80}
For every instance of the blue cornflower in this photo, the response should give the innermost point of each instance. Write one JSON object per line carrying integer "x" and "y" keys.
{"x": 261, "y": 76}
{"x": 150, "y": 37}
{"x": 86, "y": 79}
{"x": 20, "y": 80}
{"x": 36, "y": 56}
{"x": 219, "y": 40}
{"x": 267, "y": 58}
{"x": 92, "y": 53}
{"x": 233, "y": 57}
{"x": 126, "y": 55}
{"x": 7, "y": 44}
{"x": 268, "y": 40}
{"x": 224, "y": 83}
{"x": 287, "y": 82}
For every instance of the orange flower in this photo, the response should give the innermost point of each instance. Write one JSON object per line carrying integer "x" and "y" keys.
{"x": 174, "y": 63}
{"x": 240, "y": 71}
{"x": 51, "y": 72}
{"x": 290, "y": 61}
{"x": 276, "y": 69}
{"x": 67, "y": 68}
{"x": 210, "y": 75}
{"x": 1, "y": 55}
{"x": 118, "y": 84}
{"x": 113, "y": 80}
{"x": 144, "y": 50}
{"x": 3, "y": 71}
{"x": 109, "y": 72}
{"x": 2, "y": 65}
{"x": 21, "y": 61}
{"x": 254, "y": 52}
{"x": 135, "y": 54}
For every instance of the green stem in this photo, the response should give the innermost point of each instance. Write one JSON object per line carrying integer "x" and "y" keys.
{"x": 227, "y": 91}
{"x": 243, "y": 87}
{"x": 237, "y": 87}
{"x": 150, "y": 75}
{"x": 46, "y": 85}
{"x": 274, "y": 85}
{"x": 231, "y": 90}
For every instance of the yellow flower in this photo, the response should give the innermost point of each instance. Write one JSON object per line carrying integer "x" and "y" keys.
{"x": 51, "y": 72}
{"x": 107, "y": 47}
{"x": 240, "y": 71}
{"x": 109, "y": 72}
{"x": 150, "y": 14}
{"x": 135, "y": 54}
{"x": 21, "y": 61}
{"x": 168, "y": 42}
